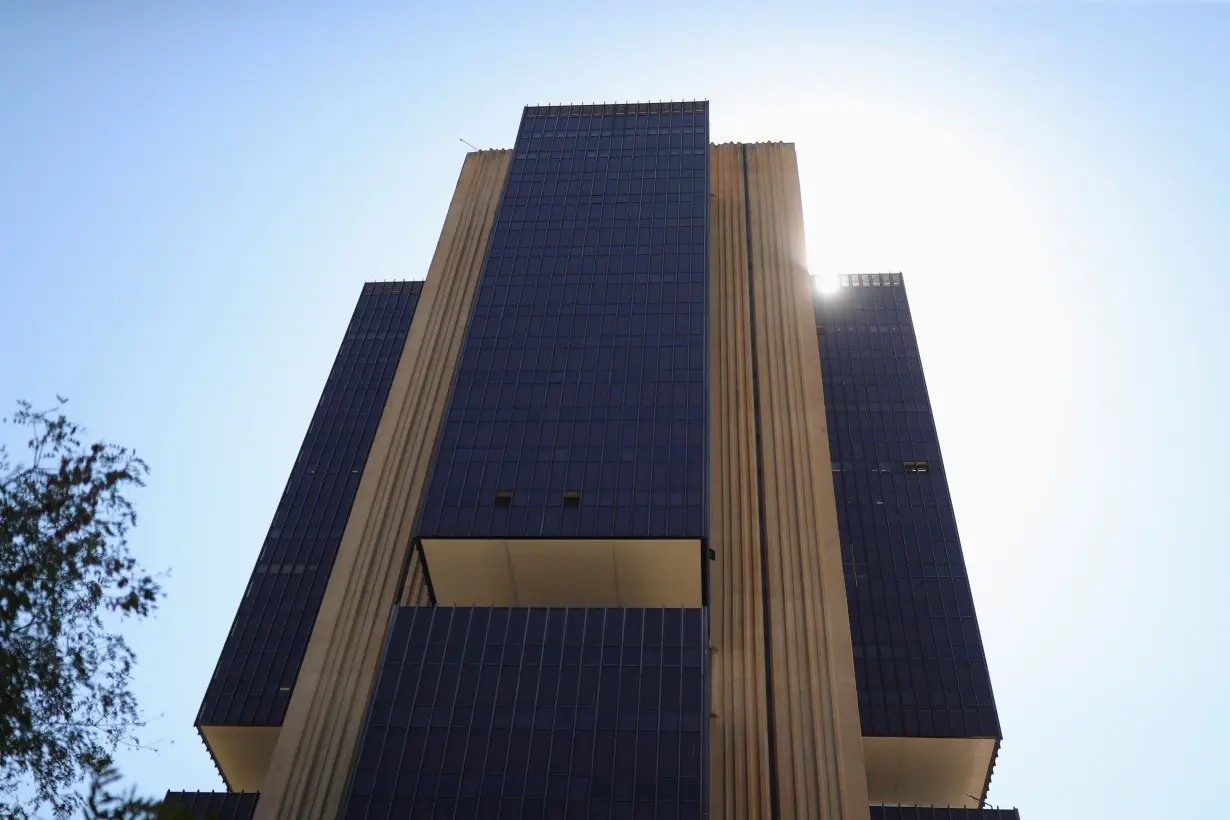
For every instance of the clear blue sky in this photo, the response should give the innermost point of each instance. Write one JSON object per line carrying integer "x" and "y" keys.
{"x": 192, "y": 193}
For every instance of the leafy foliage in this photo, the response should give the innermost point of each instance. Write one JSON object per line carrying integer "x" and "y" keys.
{"x": 104, "y": 804}
{"x": 66, "y": 577}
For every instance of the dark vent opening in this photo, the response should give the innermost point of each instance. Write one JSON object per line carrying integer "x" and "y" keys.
{"x": 503, "y": 498}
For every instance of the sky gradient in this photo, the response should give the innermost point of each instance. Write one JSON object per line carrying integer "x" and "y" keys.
{"x": 192, "y": 194}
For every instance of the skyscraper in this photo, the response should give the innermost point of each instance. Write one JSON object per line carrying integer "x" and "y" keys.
{"x": 612, "y": 516}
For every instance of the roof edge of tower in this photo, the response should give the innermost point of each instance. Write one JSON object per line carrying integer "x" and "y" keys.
{"x": 738, "y": 144}
{"x": 638, "y": 108}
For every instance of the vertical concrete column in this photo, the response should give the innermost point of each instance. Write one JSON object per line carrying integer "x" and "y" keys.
{"x": 315, "y": 750}
{"x": 815, "y": 722}
{"x": 739, "y": 738}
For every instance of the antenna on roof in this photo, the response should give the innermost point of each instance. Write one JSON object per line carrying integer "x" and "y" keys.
{"x": 982, "y": 804}
{"x": 472, "y": 146}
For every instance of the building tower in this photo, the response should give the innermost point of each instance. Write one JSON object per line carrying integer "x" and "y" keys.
{"x": 612, "y": 516}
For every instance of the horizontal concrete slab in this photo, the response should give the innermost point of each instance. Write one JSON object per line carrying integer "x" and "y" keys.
{"x": 565, "y": 572}
{"x": 242, "y": 753}
{"x": 927, "y": 771}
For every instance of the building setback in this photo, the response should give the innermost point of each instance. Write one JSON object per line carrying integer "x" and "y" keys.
{"x": 613, "y": 516}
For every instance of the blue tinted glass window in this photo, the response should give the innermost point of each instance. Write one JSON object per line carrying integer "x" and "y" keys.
{"x": 538, "y": 747}
{"x": 583, "y": 367}
{"x": 260, "y": 660}
{"x": 919, "y": 663}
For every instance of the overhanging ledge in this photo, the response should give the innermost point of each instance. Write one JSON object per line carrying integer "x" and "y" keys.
{"x": 241, "y": 753}
{"x": 928, "y": 771}
{"x": 619, "y": 572}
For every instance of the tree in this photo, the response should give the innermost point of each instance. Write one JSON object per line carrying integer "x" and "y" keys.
{"x": 104, "y": 804}
{"x": 67, "y": 578}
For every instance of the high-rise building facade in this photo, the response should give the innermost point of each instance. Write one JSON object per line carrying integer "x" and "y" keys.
{"x": 613, "y": 516}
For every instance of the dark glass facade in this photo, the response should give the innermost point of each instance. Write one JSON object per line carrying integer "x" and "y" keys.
{"x": 940, "y": 813}
{"x": 215, "y": 805}
{"x": 919, "y": 661}
{"x": 578, "y": 411}
{"x": 584, "y": 365}
{"x": 510, "y": 713}
{"x": 252, "y": 682}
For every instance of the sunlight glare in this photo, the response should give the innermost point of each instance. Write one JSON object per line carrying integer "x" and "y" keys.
{"x": 826, "y": 283}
